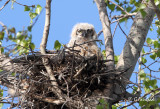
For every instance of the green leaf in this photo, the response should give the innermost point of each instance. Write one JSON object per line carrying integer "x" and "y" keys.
{"x": 99, "y": 107}
{"x": 38, "y": 9}
{"x": 158, "y": 53}
{"x": 143, "y": 50}
{"x": 1, "y": 105}
{"x": 114, "y": 107}
{"x": 132, "y": 1}
{"x": 142, "y": 75}
{"x": 157, "y": 2}
{"x": 29, "y": 28}
{"x": 19, "y": 34}
{"x": 102, "y": 101}
{"x": 57, "y": 45}
{"x": 117, "y": 1}
{"x": 153, "y": 82}
{"x": 111, "y": 7}
{"x": 157, "y": 23}
{"x": 142, "y": 103}
{"x": 12, "y": 30}
{"x": 32, "y": 46}
{"x": 1, "y": 35}
{"x": 10, "y": 37}
{"x": 143, "y": 13}
{"x": 142, "y": 6}
{"x": 158, "y": 31}
{"x": 24, "y": 43}
{"x": 32, "y": 15}
{"x": 143, "y": 60}
{"x": 154, "y": 56}
{"x": 149, "y": 41}
{"x": 26, "y": 8}
{"x": 1, "y": 93}
{"x": 116, "y": 59}
{"x": 129, "y": 8}
{"x": 1, "y": 50}
{"x": 156, "y": 44}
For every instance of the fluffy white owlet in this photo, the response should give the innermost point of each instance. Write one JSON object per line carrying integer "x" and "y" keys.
{"x": 81, "y": 33}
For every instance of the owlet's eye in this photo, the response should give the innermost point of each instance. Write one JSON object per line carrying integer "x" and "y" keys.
{"x": 90, "y": 32}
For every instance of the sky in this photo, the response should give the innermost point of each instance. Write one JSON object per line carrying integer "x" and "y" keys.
{"x": 64, "y": 15}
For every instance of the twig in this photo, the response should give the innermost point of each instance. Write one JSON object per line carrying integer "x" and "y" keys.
{"x": 137, "y": 100}
{"x": 4, "y": 28}
{"x": 156, "y": 9}
{"x": 99, "y": 33}
{"x": 119, "y": 7}
{"x": 49, "y": 100}
{"x": 24, "y": 5}
{"x": 4, "y": 4}
{"x": 115, "y": 29}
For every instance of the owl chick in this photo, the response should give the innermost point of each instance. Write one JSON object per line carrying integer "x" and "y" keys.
{"x": 81, "y": 33}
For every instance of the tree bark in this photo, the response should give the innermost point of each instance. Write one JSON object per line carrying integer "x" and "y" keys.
{"x": 101, "y": 5}
{"x": 134, "y": 43}
{"x": 106, "y": 32}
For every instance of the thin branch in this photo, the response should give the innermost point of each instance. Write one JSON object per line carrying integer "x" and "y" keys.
{"x": 4, "y": 4}
{"x": 139, "y": 78}
{"x": 137, "y": 100}
{"x": 119, "y": 7}
{"x": 156, "y": 9}
{"x": 49, "y": 100}
{"x": 24, "y": 5}
{"x": 4, "y": 28}
{"x": 46, "y": 63}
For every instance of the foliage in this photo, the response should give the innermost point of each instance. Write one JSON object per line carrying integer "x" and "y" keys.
{"x": 103, "y": 104}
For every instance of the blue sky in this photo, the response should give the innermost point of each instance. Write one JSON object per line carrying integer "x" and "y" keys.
{"x": 65, "y": 14}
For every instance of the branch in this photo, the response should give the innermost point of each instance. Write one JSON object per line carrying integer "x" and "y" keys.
{"x": 156, "y": 9}
{"x": 49, "y": 100}
{"x": 4, "y": 4}
{"x": 48, "y": 67}
{"x": 135, "y": 42}
{"x": 4, "y": 28}
{"x": 107, "y": 32}
{"x": 24, "y": 5}
{"x": 119, "y": 7}
{"x": 141, "y": 98}
{"x": 7, "y": 65}
{"x": 108, "y": 46}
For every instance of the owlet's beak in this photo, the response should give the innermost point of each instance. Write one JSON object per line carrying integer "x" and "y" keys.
{"x": 84, "y": 33}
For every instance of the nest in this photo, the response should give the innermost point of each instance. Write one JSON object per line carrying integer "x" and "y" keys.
{"x": 77, "y": 78}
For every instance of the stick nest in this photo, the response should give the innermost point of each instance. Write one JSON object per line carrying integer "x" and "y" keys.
{"x": 77, "y": 78}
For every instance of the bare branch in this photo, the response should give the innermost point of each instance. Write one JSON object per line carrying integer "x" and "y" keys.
{"x": 4, "y": 4}
{"x": 6, "y": 64}
{"x": 156, "y": 9}
{"x": 24, "y": 5}
{"x": 119, "y": 7}
{"x": 49, "y": 100}
{"x": 4, "y": 28}
{"x": 48, "y": 67}
{"x": 107, "y": 32}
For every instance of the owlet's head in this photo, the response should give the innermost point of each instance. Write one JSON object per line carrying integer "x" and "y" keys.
{"x": 84, "y": 30}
